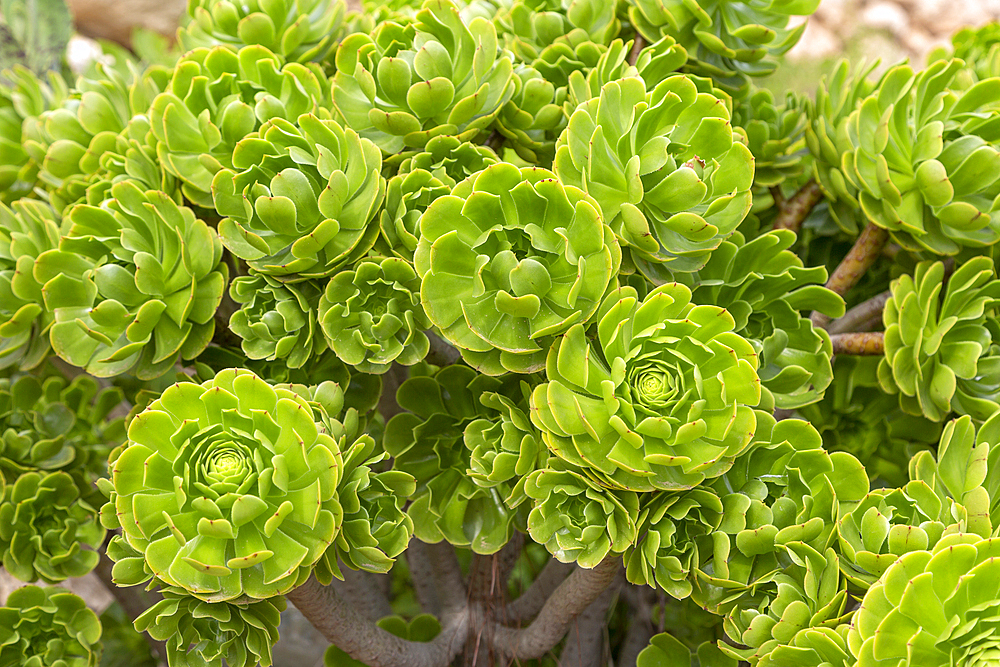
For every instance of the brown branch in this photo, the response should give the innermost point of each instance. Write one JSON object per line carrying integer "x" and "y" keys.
{"x": 363, "y": 591}
{"x": 530, "y": 602}
{"x": 494, "y": 142}
{"x": 361, "y": 639}
{"x": 441, "y": 353}
{"x": 863, "y": 254}
{"x": 637, "y": 46}
{"x": 861, "y": 344}
{"x": 487, "y": 593}
{"x": 863, "y": 316}
{"x": 794, "y": 211}
{"x": 133, "y": 600}
{"x": 422, "y": 574}
{"x": 777, "y": 196}
{"x": 585, "y": 645}
{"x": 567, "y": 602}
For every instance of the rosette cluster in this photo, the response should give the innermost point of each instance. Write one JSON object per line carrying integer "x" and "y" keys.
{"x": 510, "y": 259}
{"x": 662, "y": 399}
{"x": 277, "y": 320}
{"x": 48, "y": 626}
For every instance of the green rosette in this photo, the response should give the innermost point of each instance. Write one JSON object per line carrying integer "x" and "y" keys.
{"x": 728, "y": 40}
{"x": 372, "y": 316}
{"x": 935, "y": 334}
{"x": 933, "y": 186}
{"x": 227, "y": 490}
{"x": 277, "y": 320}
{"x": 663, "y": 167}
{"x": 48, "y": 626}
{"x": 933, "y": 608}
{"x": 426, "y": 442}
{"x": 663, "y": 399}
{"x": 26, "y": 231}
{"x": 134, "y": 284}
{"x": 213, "y": 634}
{"x": 766, "y": 288}
{"x": 215, "y": 98}
{"x": 775, "y": 135}
{"x": 303, "y": 199}
{"x": 531, "y": 27}
{"x": 533, "y": 118}
{"x": 509, "y": 260}
{"x": 47, "y": 532}
{"x": 296, "y": 30}
{"x": 577, "y": 519}
{"x": 666, "y": 548}
{"x": 408, "y": 82}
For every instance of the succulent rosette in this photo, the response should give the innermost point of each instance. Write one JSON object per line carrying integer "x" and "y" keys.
{"x": 45, "y": 527}
{"x": 303, "y": 200}
{"x": 933, "y": 185}
{"x": 277, "y": 320}
{"x": 809, "y": 594}
{"x": 533, "y": 118}
{"x": 57, "y": 424}
{"x": 775, "y": 135}
{"x": 663, "y": 399}
{"x": 666, "y": 548}
{"x": 978, "y": 47}
{"x": 48, "y": 627}
{"x": 26, "y": 231}
{"x": 933, "y": 608}
{"x": 23, "y": 98}
{"x": 406, "y": 83}
{"x": 577, "y": 519}
{"x": 726, "y": 39}
{"x": 134, "y": 284}
{"x": 372, "y": 317}
{"x": 296, "y": 30}
{"x": 663, "y": 167}
{"x": 510, "y": 259}
{"x": 786, "y": 489}
{"x": 228, "y": 489}
{"x": 213, "y": 634}
{"x": 935, "y": 334}
{"x": 857, "y": 417}
{"x": 532, "y": 27}
{"x": 665, "y": 649}
{"x": 766, "y": 287}
{"x": 217, "y": 97}
{"x": 813, "y": 647}
{"x": 426, "y": 442}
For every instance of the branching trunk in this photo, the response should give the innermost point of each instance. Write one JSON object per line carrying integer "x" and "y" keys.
{"x": 531, "y": 601}
{"x": 585, "y": 643}
{"x": 863, "y": 316}
{"x": 640, "y": 628}
{"x": 864, "y": 344}
{"x": 363, "y": 591}
{"x": 862, "y": 255}
{"x": 794, "y": 211}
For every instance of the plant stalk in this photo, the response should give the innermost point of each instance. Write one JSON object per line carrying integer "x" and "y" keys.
{"x": 860, "y": 344}
{"x": 861, "y": 256}
{"x": 794, "y": 211}
{"x": 863, "y": 316}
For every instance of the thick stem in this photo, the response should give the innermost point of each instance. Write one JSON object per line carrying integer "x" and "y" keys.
{"x": 862, "y": 344}
{"x": 364, "y": 592}
{"x": 794, "y": 211}
{"x": 422, "y": 574}
{"x": 487, "y": 593}
{"x": 585, "y": 644}
{"x": 567, "y": 602}
{"x": 862, "y": 317}
{"x": 494, "y": 141}
{"x": 530, "y": 602}
{"x": 637, "y": 46}
{"x": 133, "y": 600}
{"x": 387, "y": 405}
{"x": 866, "y": 250}
{"x": 441, "y": 353}
{"x": 361, "y": 639}
{"x": 640, "y": 627}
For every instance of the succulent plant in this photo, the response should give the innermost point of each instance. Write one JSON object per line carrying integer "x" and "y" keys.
{"x": 532, "y": 27}
{"x": 303, "y": 202}
{"x": 726, "y": 39}
{"x": 663, "y": 399}
{"x": 510, "y": 259}
{"x": 533, "y": 118}
{"x": 933, "y": 185}
{"x": 372, "y": 316}
{"x": 663, "y": 167}
{"x": 277, "y": 320}
{"x": 765, "y": 287}
{"x": 426, "y": 442}
{"x": 48, "y": 627}
{"x": 44, "y": 527}
{"x": 978, "y": 47}
{"x": 134, "y": 284}
{"x": 213, "y": 634}
{"x": 57, "y": 424}
{"x": 296, "y": 30}
{"x": 228, "y": 489}
{"x": 785, "y": 490}
{"x": 932, "y": 608}
{"x": 406, "y": 83}
{"x": 775, "y": 135}
{"x": 665, "y": 649}
{"x": 578, "y": 520}
{"x": 217, "y": 97}
{"x": 26, "y": 231}
{"x": 936, "y": 333}
{"x": 813, "y": 647}
{"x": 669, "y": 527}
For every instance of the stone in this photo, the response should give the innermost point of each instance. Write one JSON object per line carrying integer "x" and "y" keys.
{"x": 818, "y": 41}
{"x": 885, "y": 15}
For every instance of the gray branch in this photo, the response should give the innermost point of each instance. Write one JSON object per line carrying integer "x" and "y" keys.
{"x": 530, "y": 602}
{"x": 585, "y": 645}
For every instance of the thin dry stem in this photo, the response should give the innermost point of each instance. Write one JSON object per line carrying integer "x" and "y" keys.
{"x": 861, "y": 344}
{"x": 862, "y": 255}
{"x": 795, "y": 210}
